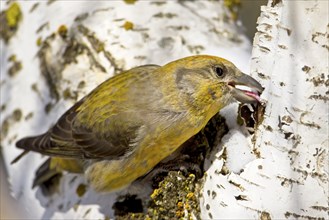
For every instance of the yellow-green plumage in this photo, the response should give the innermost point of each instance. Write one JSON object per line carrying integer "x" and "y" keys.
{"x": 132, "y": 121}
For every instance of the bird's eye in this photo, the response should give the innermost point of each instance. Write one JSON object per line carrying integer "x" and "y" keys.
{"x": 219, "y": 71}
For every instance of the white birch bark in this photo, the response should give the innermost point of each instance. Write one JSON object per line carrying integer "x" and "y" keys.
{"x": 281, "y": 172}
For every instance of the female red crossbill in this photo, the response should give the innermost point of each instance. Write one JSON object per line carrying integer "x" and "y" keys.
{"x": 132, "y": 121}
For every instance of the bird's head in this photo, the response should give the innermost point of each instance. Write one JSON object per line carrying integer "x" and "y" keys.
{"x": 209, "y": 79}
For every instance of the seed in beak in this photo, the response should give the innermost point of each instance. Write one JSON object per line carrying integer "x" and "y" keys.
{"x": 244, "y": 88}
{"x": 247, "y": 91}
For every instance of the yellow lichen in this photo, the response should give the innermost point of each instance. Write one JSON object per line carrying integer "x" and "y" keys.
{"x": 12, "y": 58}
{"x": 190, "y": 195}
{"x": 81, "y": 190}
{"x": 173, "y": 194}
{"x": 13, "y": 15}
{"x": 9, "y": 20}
{"x": 39, "y": 41}
{"x": 187, "y": 206}
{"x": 155, "y": 193}
{"x": 180, "y": 205}
{"x": 179, "y": 214}
{"x": 128, "y": 25}
{"x": 130, "y": 2}
{"x": 62, "y": 31}
{"x": 233, "y": 6}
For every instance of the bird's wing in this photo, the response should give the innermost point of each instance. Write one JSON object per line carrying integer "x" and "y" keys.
{"x": 94, "y": 131}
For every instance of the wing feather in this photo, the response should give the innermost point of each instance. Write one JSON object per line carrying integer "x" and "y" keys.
{"x": 71, "y": 138}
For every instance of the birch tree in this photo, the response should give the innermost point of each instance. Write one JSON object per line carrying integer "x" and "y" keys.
{"x": 272, "y": 164}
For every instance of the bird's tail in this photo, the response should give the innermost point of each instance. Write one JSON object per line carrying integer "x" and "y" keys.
{"x": 28, "y": 144}
{"x": 19, "y": 156}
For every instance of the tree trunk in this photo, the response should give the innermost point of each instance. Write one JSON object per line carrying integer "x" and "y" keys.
{"x": 53, "y": 53}
{"x": 282, "y": 170}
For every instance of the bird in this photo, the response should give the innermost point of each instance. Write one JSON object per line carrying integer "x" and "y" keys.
{"x": 132, "y": 121}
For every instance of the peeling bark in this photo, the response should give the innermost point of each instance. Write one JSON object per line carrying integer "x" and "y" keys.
{"x": 288, "y": 176}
